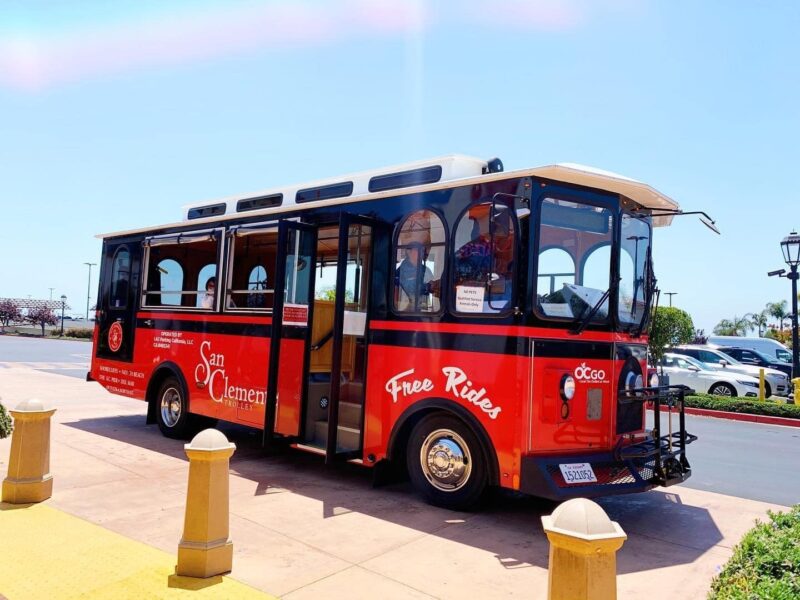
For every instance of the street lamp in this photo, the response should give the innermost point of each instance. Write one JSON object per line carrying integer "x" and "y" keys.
{"x": 791, "y": 254}
{"x": 63, "y": 304}
{"x": 670, "y": 294}
{"x": 89, "y": 287}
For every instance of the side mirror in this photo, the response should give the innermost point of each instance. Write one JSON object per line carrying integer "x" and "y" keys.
{"x": 724, "y": 363}
{"x": 693, "y": 368}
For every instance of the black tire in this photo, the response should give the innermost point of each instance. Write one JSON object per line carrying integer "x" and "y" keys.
{"x": 172, "y": 409}
{"x": 459, "y": 477}
{"x": 722, "y": 389}
{"x": 767, "y": 390}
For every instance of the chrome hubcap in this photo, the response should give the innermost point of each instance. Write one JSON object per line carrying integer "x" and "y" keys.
{"x": 445, "y": 460}
{"x": 721, "y": 390}
{"x": 170, "y": 407}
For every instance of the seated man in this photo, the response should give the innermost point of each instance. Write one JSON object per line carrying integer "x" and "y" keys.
{"x": 414, "y": 281}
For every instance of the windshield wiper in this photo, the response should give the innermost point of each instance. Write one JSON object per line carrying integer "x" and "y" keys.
{"x": 650, "y": 290}
{"x": 582, "y": 322}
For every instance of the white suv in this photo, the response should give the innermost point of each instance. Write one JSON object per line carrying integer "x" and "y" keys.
{"x": 712, "y": 358}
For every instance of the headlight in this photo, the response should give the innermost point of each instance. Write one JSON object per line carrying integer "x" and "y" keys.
{"x": 750, "y": 383}
{"x": 567, "y": 387}
{"x": 654, "y": 381}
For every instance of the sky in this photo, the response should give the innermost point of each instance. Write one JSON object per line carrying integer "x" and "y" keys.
{"x": 114, "y": 115}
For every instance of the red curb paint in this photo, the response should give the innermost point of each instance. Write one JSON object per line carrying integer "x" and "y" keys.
{"x": 732, "y": 416}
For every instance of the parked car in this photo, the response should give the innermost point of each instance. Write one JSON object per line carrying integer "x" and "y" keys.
{"x": 712, "y": 358}
{"x": 759, "y": 359}
{"x": 684, "y": 370}
{"x": 772, "y": 348}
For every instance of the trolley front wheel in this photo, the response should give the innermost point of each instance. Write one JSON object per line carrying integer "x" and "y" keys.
{"x": 446, "y": 463}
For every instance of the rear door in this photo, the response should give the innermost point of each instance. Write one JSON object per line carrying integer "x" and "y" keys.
{"x": 117, "y": 298}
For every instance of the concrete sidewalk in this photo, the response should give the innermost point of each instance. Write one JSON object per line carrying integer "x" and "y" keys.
{"x": 301, "y": 530}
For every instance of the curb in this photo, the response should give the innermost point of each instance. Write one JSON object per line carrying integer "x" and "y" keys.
{"x": 733, "y": 416}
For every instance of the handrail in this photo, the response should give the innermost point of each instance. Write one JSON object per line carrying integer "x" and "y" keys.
{"x": 322, "y": 341}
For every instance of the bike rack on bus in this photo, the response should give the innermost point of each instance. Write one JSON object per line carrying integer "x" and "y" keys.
{"x": 668, "y": 452}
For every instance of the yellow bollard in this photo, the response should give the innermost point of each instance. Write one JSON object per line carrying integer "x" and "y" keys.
{"x": 205, "y": 549}
{"x": 762, "y": 388}
{"x": 29, "y": 478}
{"x": 583, "y": 551}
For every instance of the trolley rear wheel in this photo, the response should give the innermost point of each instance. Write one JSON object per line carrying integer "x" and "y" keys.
{"x": 446, "y": 463}
{"x": 172, "y": 409}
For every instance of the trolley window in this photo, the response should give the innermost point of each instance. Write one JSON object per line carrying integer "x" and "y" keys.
{"x": 251, "y": 280}
{"x": 181, "y": 271}
{"x": 420, "y": 250}
{"x": 484, "y": 242}
{"x": 573, "y": 234}
{"x": 120, "y": 278}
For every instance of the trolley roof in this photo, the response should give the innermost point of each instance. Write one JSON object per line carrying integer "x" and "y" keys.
{"x": 408, "y": 178}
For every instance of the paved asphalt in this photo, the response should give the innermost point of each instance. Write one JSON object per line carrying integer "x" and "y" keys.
{"x": 748, "y": 460}
{"x": 65, "y": 357}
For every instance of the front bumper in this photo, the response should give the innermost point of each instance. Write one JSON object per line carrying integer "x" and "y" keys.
{"x": 659, "y": 460}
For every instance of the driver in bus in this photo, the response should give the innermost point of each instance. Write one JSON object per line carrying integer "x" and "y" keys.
{"x": 414, "y": 280}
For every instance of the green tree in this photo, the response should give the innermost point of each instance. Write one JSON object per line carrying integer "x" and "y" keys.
{"x": 759, "y": 321}
{"x": 779, "y": 310}
{"x": 670, "y": 327}
{"x": 736, "y": 326}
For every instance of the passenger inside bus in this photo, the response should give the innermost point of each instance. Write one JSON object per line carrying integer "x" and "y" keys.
{"x": 208, "y": 298}
{"x": 484, "y": 259}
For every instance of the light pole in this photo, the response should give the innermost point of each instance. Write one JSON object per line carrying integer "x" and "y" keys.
{"x": 89, "y": 287}
{"x": 670, "y": 294}
{"x": 63, "y": 304}
{"x": 791, "y": 254}
{"x": 51, "y": 292}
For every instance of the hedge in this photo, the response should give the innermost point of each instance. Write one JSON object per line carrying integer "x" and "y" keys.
{"x": 79, "y": 332}
{"x": 743, "y": 405}
{"x": 765, "y": 563}
{"x": 5, "y": 423}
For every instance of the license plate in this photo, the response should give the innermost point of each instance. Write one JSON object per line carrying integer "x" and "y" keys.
{"x": 578, "y": 473}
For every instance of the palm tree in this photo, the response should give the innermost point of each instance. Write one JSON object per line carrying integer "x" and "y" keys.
{"x": 724, "y": 327}
{"x": 759, "y": 321}
{"x": 778, "y": 310}
{"x": 738, "y": 326}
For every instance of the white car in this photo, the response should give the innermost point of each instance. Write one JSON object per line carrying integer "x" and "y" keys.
{"x": 684, "y": 370}
{"x": 712, "y": 358}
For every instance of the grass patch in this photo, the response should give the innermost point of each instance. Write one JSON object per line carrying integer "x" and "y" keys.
{"x": 765, "y": 563}
{"x": 744, "y": 405}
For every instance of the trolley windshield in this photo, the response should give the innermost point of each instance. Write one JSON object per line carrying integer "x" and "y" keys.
{"x": 634, "y": 261}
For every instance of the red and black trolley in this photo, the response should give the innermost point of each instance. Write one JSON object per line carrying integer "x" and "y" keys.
{"x": 480, "y": 327}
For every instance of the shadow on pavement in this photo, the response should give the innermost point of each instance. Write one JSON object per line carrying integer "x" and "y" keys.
{"x": 662, "y": 531}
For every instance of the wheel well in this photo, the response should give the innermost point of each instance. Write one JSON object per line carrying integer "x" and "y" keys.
{"x": 401, "y": 432}
{"x": 161, "y": 373}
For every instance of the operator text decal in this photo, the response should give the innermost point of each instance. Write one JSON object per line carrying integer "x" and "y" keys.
{"x": 210, "y": 372}
{"x": 456, "y": 383}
